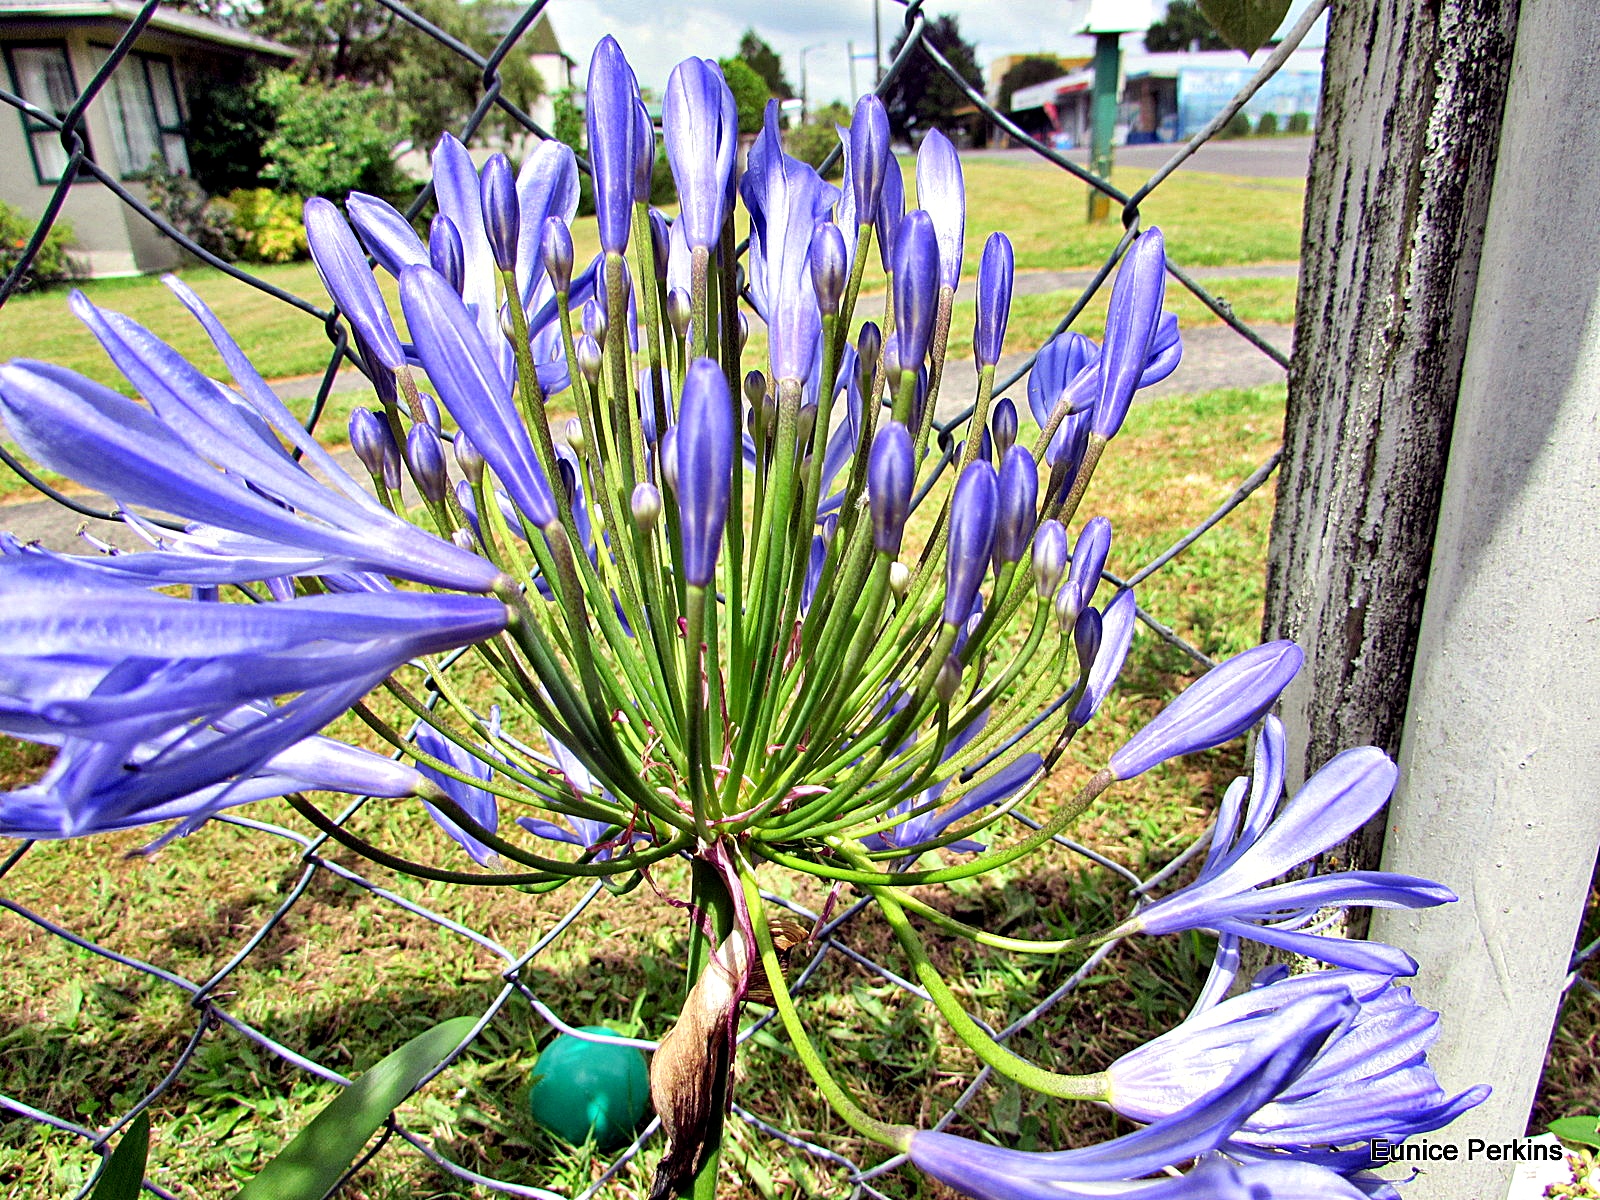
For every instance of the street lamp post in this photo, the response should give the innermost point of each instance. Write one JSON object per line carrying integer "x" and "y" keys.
{"x": 805, "y": 98}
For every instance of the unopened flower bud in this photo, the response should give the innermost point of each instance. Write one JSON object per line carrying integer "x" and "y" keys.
{"x": 1019, "y": 499}
{"x": 445, "y": 252}
{"x": 555, "y": 245}
{"x": 1049, "y": 557}
{"x": 995, "y": 272}
{"x": 891, "y": 366}
{"x": 1003, "y": 424}
{"x": 1067, "y": 607}
{"x": 659, "y": 242}
{"x": 595, "y": 323}
{"x": 589, "y": 357}
{"x": 574, "y": 434}
{"x": 755, "y": 388}
{"x": 507, "y": 329}
{"x": 899, "y": 579}
{"x": 869, "y": 344}
{"x": 744, "y": 331}
{"x": 830, "y": 266}
{"x": 646, "y": 505}
{"x": 679, "y": 310}
{"x": 468, "y": 458}
{"x": 805, "y": 423}
{"x": 916, "y": 287}
{"x": 972, "y": 519}
{"x": 368, "y": 435}
{"x": 704, "y": 446}
{"x": 464, "y": 539}
{"x": 430, "y": 411}
{"x": 1086, "y": 638}
{"x": 891, "y": 474}
{"x": 669, "y": 458}
{"x": 502, "y": 216}
{"x": 1089, "y": 559}
{"x": 425, "y": 454}
{"x": 948, "y": 681}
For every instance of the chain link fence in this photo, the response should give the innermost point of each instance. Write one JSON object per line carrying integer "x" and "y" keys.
{"x": 212, "y": 1004}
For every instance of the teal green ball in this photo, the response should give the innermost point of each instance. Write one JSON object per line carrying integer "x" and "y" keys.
{"x": 580, "y": 1086}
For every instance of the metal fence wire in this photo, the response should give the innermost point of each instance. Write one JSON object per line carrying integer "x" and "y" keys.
{"x": 214, "y": 1006}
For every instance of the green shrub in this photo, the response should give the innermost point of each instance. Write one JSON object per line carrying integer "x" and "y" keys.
{"x": 327, "y": 140}
{"x": 813, "y": 142}
{"x": 1268, "y": 124}
{"x": 51, "y": 265}
{"x": 227, "y": 130}
{"x": 1300, "y": 122}
{"x": 269, "y": 224}
{"x": 208, "y": 223}
{"x": 749, "y": 90}
{"x": 1238, "y": 126}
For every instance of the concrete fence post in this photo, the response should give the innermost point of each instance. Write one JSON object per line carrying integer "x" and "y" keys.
{"x": 1499, "y": 791}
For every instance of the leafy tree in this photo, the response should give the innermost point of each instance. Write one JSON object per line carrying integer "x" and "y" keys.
{"x": 426, "y": 87}
{"x": 229, "y": 124}
{"x": 922, "y": 96}
{"x": 1184, "y": 28}
{"x": 764, "y": 60}
{"x": 750, "y": 92}
{"x": 1036, "y": 68}
{"x": 327, "y": 139}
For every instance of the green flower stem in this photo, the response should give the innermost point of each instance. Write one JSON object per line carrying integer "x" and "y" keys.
{"x": 701, "y": 789}
{"x": 405, "y": 866}
{"x": 849, "y": 511}
{"x": 873, "y": 802}
{"x": 936, "y": 354}
{"x": 1004, "y": 1061}
{"x": 998, "y": 856}
{"x": 821, "y": 662}
{"x": 840, "y": 1100}
{"x": 997, "y": 941}
{"x": 979, "y": 421}
{"x": 852, "y": 289}
{"x": 731, "y": 348}
{"x": 1065, "y": 511}
{"x": 620, "y": 371}
{"x": 529, "y": 394}
{"x": 905, "y": 397}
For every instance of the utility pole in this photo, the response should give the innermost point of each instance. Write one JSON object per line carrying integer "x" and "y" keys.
{"x": 1103, "y": 117}
{"x": 805, "y": 97}
{"x": 850, "y": 54}
{"x": 877, "y": 45}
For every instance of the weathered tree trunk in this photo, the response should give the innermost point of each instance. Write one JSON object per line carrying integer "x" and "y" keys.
{"x": 1413, "y": 92}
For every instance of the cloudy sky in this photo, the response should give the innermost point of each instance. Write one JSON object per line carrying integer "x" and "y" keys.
{"x": 657, "y": 34}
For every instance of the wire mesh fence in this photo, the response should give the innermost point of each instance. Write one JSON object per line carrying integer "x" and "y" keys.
{"x": 213, "y": 1005}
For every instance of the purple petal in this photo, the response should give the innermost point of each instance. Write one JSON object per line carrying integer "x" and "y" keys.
{"x": 891, "y": 474}
{"x": 385, "y": 232}
{"x": 1220, "y": 706}
{"x": 472, "y": 388}
{"x": 613, "y": 95}
{"x": 995, "y": 272}
{"x": 349, "y": 281}
{"x": 972, "y": 521}
{"x": 1131, "y": 320}
{"x": 705, "y": 468}
{"x": 868, "y": 157}
{"x": 700, "y": 123}
{"x": 1116, "y": 635}
{"x": 916, "y": 287}
{"x": 942, "y": 194}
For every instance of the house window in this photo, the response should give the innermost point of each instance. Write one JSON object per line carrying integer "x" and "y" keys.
{"x": 42, "y": 76}
{"x": 141, "y": 105}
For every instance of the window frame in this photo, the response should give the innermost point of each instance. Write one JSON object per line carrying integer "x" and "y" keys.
{"x": 162, "y": 131}
{"x": 32, "y": 127}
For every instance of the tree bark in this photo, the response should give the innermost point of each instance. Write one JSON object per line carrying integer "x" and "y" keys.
{"x": 1413, "y": 94}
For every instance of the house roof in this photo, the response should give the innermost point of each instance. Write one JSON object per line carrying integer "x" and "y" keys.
{"x": 166, "y": 20}
{"x": 540, "y": 39}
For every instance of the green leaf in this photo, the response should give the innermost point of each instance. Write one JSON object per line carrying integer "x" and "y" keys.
{"x": 1245, "y": 24}
{"x": 308, "y": 1167}
{"x": 123, "y": 1174}
{"x": 1583, "y": 1131}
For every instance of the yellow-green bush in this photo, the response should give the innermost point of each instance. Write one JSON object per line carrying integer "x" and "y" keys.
{"x": 271, "y": 224}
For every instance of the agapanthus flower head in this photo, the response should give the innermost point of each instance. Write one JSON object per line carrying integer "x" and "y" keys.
{"x": 700, "y": 122}
{"x": 477, "y": 803}
{"x": 1116, "y": 635}
{"x": 1217, "y": 708}
{"x": 613, "y": 98}
{"x": 704, "y": 452}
